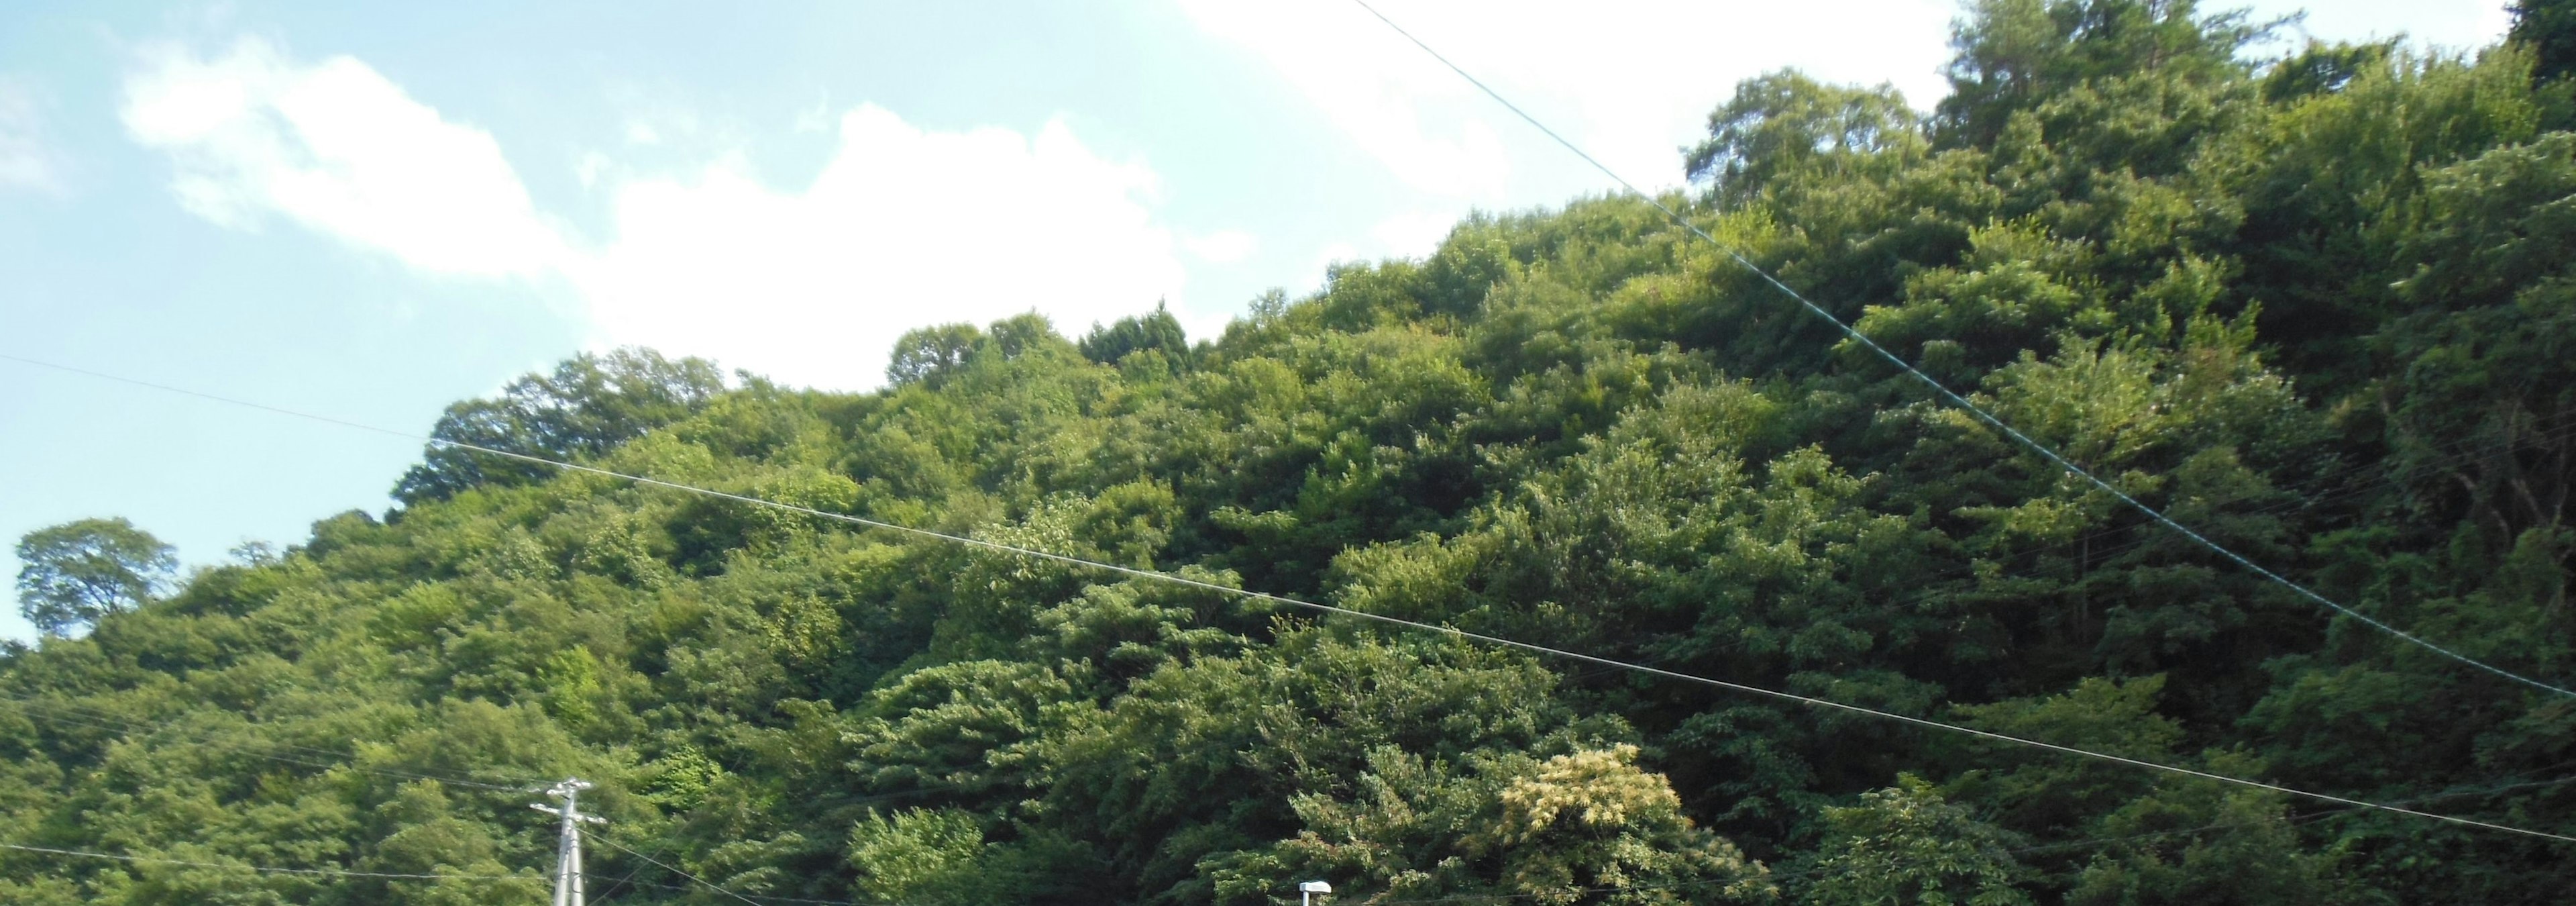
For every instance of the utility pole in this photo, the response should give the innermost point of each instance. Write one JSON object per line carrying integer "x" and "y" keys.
{"x": 568, "y": 891}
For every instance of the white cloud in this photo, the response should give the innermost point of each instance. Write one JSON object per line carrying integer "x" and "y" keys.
{"x": 28, "y": 159}
{"x": 2455, "y": 24}
{"x": 904, "y": 227}
{"x": 1221, "y": 247}
{"x": 335, "y": 147}
{"x": 1336, "y": 253}
{"x": 591, "y": 167}
{"x": 1413, "y": 235}
{"x": 1359, "y": 74}
{"x": 1633, "y": 81}
{"x": 1630, "y": 80}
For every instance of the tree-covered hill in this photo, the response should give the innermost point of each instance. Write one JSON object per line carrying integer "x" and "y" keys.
{"x": 2319, "y": 306}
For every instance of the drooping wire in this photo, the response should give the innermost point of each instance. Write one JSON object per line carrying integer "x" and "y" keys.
{"x": 1772, "y": 875}
{"x": 710, "y": 885}
{"x": 1534, "y": 648}
{"x": 610, "y": 892}
{"x": 1813, "y": 870}
{"x": 1953, "y": 397}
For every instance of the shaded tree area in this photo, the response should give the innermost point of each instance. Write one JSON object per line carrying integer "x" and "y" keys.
{"x": 2548, "y": 29}
{"x": 2315, "y": 306}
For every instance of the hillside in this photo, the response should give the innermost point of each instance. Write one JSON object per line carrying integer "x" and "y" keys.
{"x": 2321, "y": 308}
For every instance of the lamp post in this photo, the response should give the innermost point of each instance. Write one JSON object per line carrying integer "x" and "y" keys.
{"x": 1306, "y": 891}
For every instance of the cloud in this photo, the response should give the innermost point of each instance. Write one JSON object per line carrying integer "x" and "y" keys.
{"x": 1335, "y": 253}
{"x": 1367, "y": 81}
{"x": 339, "y": 149}
{"x": 28, "y": 160}
{"x": 1413, "y": 235}
{"x": 1221, "y": 247}
{"x": 811, "y": 286}
{"x": 2454, "y": 25}
{"x": 904, "y": 227}
{"x": 1630, "y": 80}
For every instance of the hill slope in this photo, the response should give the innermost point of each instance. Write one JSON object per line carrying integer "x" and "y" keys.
{"x": 2318, "y": 308}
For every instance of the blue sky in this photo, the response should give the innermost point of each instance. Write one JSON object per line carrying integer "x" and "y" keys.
{"x": 368, "y": 211}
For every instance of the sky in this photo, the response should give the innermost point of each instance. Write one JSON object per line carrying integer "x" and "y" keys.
{"x": 369, "y": 211}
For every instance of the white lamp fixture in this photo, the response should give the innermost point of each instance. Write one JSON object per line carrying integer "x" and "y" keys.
{"x": 1306, "y": 891}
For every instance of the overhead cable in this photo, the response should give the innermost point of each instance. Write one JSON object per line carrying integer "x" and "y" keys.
{"x": 710, "y": 885}
{"x": 1154, "y": 575}
{"x": 1775, "y": 875}
{"x": 1953, "y": 397}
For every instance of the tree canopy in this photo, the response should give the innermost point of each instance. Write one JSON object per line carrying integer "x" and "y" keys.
{"x": 2314, "y": 306}
{"x": 72, "y": 574}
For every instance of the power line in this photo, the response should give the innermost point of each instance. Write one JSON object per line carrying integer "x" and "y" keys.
{"x": 2296, "y": 500}
{"x": 1774, "y": 874}
{"x": 2113, "y": 545}
{"x": 1534, "y": 648}
{"x": 1952, "y": 396}
{"x": 610, "y": 892}
{"x": 710, "y": 885}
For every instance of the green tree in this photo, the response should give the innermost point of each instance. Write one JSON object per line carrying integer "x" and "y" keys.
{"x": 1784, "y": 121}
{"x": 1907, "y": 845}
{"x": 73, "y": 574}
{"x": 927, "y": 353}
{"x": 925, "y": 857}
{"x": 2316, "y": 308}
{"x": 1158, "y": 331}
{"x": 1583, "y": 827}
{"x": 2548, "y": 27}
{"x": 2014, "y": 55}
{"x": 587, "y": 405}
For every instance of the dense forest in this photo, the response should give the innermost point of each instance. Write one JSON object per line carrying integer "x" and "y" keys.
{"x": 2316, "y": 302}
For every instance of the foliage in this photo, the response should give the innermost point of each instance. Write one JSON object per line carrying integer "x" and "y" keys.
{"x": 1159, "y": 332}
{"x": 72, "y": 574}
{"x": 2316, "y": 308}
{"x": 590, "y": 404}
{"x": 2548, "y": 27}
{"x": 1907, "y": 845}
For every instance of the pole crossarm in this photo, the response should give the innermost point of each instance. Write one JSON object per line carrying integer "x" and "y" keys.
{"x": 568, "y": 880}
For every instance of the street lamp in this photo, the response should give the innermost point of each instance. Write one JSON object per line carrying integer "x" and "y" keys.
{"x": 1306, "y": 891}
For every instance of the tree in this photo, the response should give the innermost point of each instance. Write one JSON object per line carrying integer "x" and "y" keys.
{"x": 2548, "y": 27}
{"x": 925, "y": 354}
{"x": 1158, "y": 331}
{"x": 1587, "y": 827}
{"x": 1906, "y": 844}
{"x": 589, "y": 404}
{"x": 1784, "y": 120}
{"x": 924, "y": 857}
{"x": 2012, "y": 55}
{"x": 79, "y": 571}
{"x": 2321, "y": 310}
